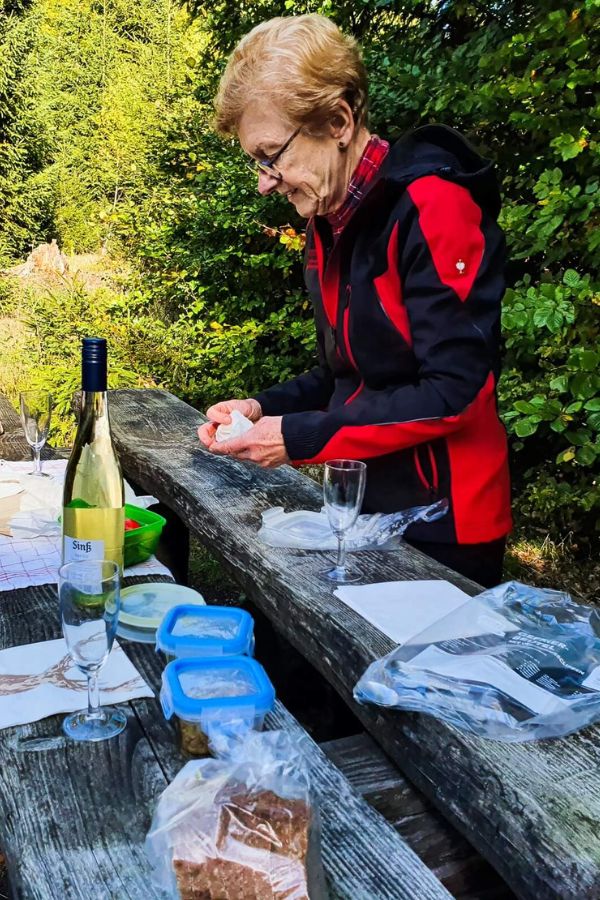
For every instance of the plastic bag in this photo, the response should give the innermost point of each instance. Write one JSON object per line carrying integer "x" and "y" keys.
{"x": 239, "y": 425}
{"x": 241, "y": 827}
{"x": 306, "y": 530}
{"x": 515, "y": 663}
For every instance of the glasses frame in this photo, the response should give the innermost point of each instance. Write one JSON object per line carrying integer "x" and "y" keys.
{"x": 267, "y": 165}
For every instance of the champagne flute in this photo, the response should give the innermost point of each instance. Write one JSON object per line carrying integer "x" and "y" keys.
{"x": 36, "y": 410}
{"x": 89, "y": 595}
{"x": 343, "y": 492}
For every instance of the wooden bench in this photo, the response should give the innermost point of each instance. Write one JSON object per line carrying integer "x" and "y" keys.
{"x": 73, "y": 817}
{"x": 532, "y": 810}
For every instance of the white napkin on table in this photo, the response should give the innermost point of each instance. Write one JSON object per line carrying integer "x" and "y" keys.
{"x": 39, "y": 680}
{"x": 402, "y": 609}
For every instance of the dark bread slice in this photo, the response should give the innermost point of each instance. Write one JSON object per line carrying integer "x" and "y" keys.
{"x": 270, "y": 836}
{"x": 220, "y": 879}
{"x": 267, "y": 822}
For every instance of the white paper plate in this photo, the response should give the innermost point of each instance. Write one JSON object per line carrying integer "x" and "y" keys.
{"x": 144, "y": 605}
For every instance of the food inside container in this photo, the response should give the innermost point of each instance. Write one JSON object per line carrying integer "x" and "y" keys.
{"x": 142, "y": 533}
{"x": 188, "y": 632}
{"x": 212, "y": 696}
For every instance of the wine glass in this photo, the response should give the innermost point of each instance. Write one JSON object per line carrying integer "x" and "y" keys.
{"x": 36, "y": 410}
{"x": 89, "y": 595}
{"x": 343, "y": 491}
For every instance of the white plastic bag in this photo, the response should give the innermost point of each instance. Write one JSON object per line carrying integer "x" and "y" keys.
{"x": 515, "y": 663}
{"x": 306, "y": 530}
{"x": 242, "y": 827}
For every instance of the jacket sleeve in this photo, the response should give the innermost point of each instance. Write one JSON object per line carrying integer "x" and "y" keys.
{"x": 446, "y": 261}
{"x": 310, "y": 391}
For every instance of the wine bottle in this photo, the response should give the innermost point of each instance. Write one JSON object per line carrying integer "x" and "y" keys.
{"x": 94, "y": 498}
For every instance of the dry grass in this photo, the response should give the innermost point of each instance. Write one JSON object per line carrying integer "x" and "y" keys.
{"x": 545, "y": 563}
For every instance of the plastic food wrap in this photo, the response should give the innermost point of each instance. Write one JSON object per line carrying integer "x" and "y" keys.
{"x": 306, "y": 530}
{"x": 242, "y": 827}
{"x": 515, "y": 663}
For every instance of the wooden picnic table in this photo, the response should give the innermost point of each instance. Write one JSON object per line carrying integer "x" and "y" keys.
{"x": 73, "y": 817}
{"x": 532, "y": 810}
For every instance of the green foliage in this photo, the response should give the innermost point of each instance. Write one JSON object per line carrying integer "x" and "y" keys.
{"x": 51, "y": 324}
{"x": 232, "y": 295}
{"x": 551, "y": 396}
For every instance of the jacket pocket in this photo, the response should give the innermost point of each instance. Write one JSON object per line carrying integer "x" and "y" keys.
{"x": 426, "y": 468}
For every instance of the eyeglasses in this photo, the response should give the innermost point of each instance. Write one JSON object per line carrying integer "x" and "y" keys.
{"x": 268, "y": 165}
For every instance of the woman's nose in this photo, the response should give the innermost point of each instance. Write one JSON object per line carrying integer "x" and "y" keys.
{"x": 266, "y": 183}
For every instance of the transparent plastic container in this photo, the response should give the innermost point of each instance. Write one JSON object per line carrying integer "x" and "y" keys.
{"x": 209, "y": 697}
{"x": 189, "y": 632}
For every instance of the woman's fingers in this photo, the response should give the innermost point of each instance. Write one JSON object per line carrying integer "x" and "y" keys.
{"x": 263, "y": 444}
{"x": 220, "y": 413}
{"x": 206, "y": 433}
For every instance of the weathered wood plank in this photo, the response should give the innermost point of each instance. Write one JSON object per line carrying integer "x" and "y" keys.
{"x": 532, "y": 810}
{"x": 73, "y": 817}
{"x": 450, "y": 857}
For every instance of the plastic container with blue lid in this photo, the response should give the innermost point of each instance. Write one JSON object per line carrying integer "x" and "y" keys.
{"x": 211, "y": 695}
{"x": 188, "y": 631}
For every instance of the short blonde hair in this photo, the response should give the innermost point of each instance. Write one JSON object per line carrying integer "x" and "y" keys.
{"x": 302, "y": 64}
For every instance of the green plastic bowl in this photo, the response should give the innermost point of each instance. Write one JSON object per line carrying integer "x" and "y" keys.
{"x": 141, "y": 543}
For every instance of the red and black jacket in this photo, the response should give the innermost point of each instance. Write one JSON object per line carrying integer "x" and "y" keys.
{"x": 407, "y": 309}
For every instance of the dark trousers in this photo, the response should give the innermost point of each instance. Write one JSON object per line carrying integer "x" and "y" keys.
{"x": 479, "y": 562}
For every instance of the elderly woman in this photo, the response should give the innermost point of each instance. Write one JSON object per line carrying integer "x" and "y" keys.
{"x": 404, "y": 266}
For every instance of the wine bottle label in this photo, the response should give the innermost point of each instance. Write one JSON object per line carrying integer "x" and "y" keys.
{"x": 76, "y": 548}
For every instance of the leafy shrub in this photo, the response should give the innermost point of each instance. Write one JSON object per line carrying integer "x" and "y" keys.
{"x": 54, "y": 322}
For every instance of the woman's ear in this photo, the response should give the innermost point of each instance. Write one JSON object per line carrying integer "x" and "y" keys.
{"x": 341, "y": 124}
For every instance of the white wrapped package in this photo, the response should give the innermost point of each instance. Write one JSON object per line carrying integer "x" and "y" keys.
{"x": 237, "y": 427}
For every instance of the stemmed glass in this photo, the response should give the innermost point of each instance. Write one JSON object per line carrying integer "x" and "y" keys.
{"x": 89, "y": 595}
{"x": 36, "y": 410}
{"x": 343, "y": 492}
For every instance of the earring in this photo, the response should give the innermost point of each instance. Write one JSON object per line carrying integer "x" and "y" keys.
{"x": 341, "y": 145}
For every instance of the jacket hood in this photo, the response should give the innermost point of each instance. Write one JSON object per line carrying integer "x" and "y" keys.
{"x": 440, "y": 150}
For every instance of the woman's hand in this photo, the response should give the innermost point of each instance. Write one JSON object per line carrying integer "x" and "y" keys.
{"x": 262, "y": 444}
{"x": 220, "y": 414}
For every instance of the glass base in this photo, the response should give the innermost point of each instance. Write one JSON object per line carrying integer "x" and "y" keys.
{"x": 340, "y": 576}
{"x": 81, "y": 727}
{"x": 40, "y": 474}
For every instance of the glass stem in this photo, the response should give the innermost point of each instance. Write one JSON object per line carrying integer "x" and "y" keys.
{"x": 93, "y": 695}
{"x": 341, "y": 553}
{"x": 37, "y": 460}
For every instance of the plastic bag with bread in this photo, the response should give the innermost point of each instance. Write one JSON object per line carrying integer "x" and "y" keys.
{"x": 240, "y": 828}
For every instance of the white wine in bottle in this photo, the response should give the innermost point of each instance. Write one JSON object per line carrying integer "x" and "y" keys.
{"x": 94, "y": 499}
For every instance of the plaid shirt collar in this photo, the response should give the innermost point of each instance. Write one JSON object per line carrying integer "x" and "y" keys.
{"x": 374, "y": 154}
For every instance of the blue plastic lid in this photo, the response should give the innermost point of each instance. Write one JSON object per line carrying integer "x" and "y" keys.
{"x": 189, "y": 631}
{"x": 197, "y": 690}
